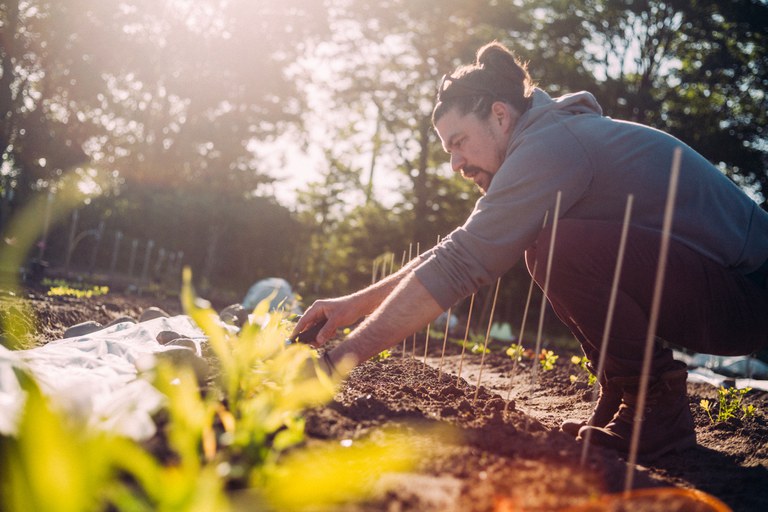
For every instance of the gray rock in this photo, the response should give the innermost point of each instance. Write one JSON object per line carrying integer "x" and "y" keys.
{"x": 152, "y": 313}
{"x": 165, "y": 337}
{"x": 234, "y": 315}
{"x": 120, "y": 320}
{"x": 185, "y": 357}
{"x": 82, "y": 329}
{"x": 187, "y": 343}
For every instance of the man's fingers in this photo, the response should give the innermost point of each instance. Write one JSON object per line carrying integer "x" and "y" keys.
{"x": 309, "y": 335}
{"x": 319, "y": 323}
{"x": 326, "y": 333}
{"x": 312, "y": 316}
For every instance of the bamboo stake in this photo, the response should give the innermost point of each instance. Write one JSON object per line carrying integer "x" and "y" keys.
{"x": 609, "y": 316}
{"x": 525, "y": 317}
{"x": 445, "y": 341}
{"x": 466, "y": 335}
{"x": 413, "y": 354}
{"x": 410, "y": 251}
{"x": 426, "y": 341}
{"x": 487, "y": 336}
{"x": 546, "y": 287}
{"x": 654, "y": 318}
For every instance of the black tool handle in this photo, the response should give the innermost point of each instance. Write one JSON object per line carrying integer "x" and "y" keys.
{"x": 308, "y": 335}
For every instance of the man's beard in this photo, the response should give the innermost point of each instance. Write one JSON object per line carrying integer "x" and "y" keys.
{"x": 481, "y": 177}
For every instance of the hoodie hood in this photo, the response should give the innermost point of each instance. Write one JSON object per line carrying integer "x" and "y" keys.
{"x": 582, "y": 102}
{"x": 542, "y": 105}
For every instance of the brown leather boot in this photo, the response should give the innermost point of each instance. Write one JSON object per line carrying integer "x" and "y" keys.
{"x": 667, "y": 423}
{"x": 606, "y": 406}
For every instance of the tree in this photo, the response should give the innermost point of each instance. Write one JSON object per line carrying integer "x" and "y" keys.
{"x": 322, "y": 209}
{"x": 720, "y": 101}
{"x": 36, "y": 142}
{"x": 695, "y": 68}
{"x": 389, "y": 57}
{"x": 155, "y": 102}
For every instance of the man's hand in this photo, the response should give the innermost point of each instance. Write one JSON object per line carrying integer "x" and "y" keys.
{"x": 335, "y": 313}
{"x": 345, "y": 311}
{"x": 408, "y": 308}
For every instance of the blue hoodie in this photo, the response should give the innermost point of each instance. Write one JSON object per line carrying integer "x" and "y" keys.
{"x": 565, "y": 144}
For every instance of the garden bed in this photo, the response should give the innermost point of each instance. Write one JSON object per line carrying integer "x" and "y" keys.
{"x": 500, "y": 454}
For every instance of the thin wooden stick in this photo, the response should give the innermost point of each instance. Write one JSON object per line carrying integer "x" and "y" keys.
{"x": 487, "y": 336}
{"x": 375, "y": 270}
{"x": 466, "y": 335}
{"x": 525, "y": 317}
{"x": 410, "y": 250}
{"x": 384, "y": 267}
{"x": 445, "y": 341}
{"x": 426, "y": 340}
{"x": 653, "y": 319}
{"x": 609, "y": 316}
{"x": 546, "y": 287}
{"x": 413, "y": 353}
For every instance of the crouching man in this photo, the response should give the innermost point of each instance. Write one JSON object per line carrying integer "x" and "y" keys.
{"x": 521, "y": 147}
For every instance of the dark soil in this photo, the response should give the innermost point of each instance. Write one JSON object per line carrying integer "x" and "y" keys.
{"x": 507, "y": 452}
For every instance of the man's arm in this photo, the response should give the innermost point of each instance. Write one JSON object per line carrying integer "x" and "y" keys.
{"x": 344, "y": 311}
{"x": 408, "y": 308}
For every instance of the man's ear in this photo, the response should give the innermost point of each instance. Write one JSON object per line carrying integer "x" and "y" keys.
{"x": 504, "y": 114}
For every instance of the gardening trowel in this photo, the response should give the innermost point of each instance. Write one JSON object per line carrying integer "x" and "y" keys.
{"x": 308, "y": 335}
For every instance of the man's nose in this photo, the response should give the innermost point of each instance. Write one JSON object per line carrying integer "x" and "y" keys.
{"x": 457, "y": 162}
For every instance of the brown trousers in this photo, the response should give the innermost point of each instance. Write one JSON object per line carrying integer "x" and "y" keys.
{"x": 705, "y": 307}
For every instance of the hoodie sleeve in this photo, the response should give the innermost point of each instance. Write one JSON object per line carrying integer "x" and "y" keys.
{"x": 507, "y": 220}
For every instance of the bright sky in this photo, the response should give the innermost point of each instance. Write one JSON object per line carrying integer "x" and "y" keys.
{"x": 296, "y": 169}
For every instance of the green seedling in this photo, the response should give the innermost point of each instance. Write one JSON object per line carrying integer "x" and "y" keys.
{"x": 582, "y": 363}
{"x": 476, "y": 344}
{"x": 748, "y": 411}
{"x": 384, "y": 354}
{"x": 547, "y": 360}
{"x": 515, "y": 352}
{"x": 729, "y": 404}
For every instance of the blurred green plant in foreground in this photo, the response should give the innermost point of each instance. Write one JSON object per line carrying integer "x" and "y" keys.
{"x": 237, "y": 443}
{"x": 19, "y": 235}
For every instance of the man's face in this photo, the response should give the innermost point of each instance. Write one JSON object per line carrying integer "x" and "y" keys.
{"x": 477, "y": 147}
